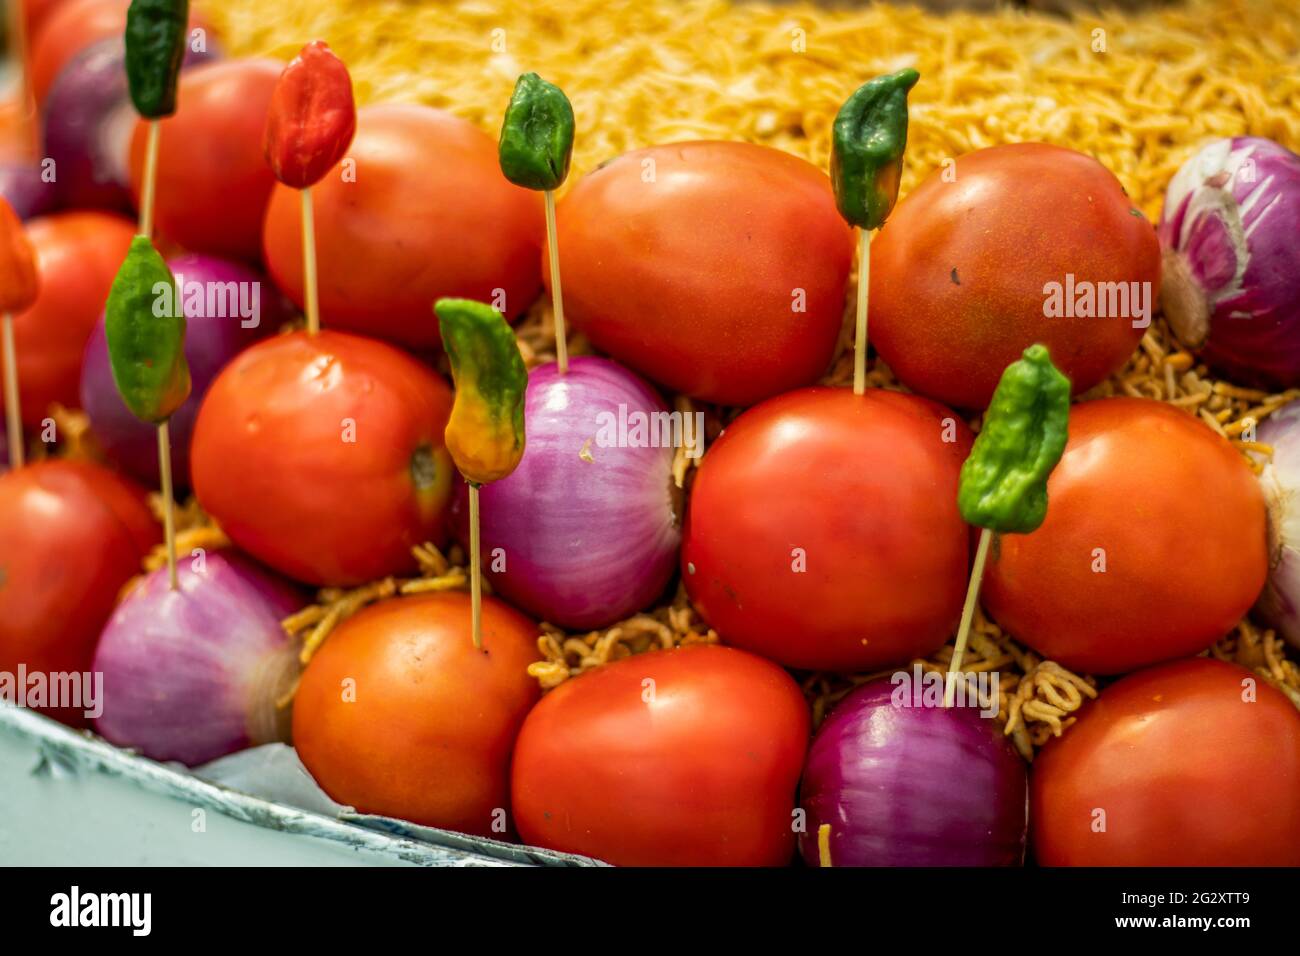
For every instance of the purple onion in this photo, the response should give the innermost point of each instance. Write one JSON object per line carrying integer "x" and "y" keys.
{"x": 1231, "y": 272}
{"x": 1279, "y": 604}
{"x": 194, "y": 674}
{"x": 26, "y": 189}
{"x": 88, "y": 124}
{"x": 211, "y": 340}
{"x": 918, "y": 785}
{"x": 585, "y": 542}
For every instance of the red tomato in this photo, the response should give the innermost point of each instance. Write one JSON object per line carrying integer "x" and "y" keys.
{"x": 65, "y": 31}
{"x": 395, "y": 233}
{"x": 959, "y": 274}
{"x": 323, "y": 456}
{"x": 398, "y": 714}
{"x": 688, "y": 757}
{"x": 823, "y": 530}
{"x": 1194, "y": 763}
{"x": 1153, "y": 548}
{"x": 71, "y": 534}
{"x": 716, "y": 269}
{"x": 213, "y": 181}
{"x": 77, "y": 256}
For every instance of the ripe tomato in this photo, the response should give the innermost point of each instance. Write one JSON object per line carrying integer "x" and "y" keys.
{"x": 1194, "y": 763}
{"x": 959, "y": 274}
{"x": 823, "y": 531}
{"x": 77, "y": 255}
{"x": 213, "y": 181}
{"x": 71, "y": 534}
{"x": 716, "y": 269}
{"x": 65, "y": 31}
{"x": 688, "y": 757}
{"x": 393, "y": 234}
{"x": 323, "y": 456}
{"x": 398, "y": 714}
{"x": 1153, "y": 548}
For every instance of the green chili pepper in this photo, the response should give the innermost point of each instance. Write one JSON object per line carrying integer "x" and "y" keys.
{"x": 1003, "y": 483}
{"x": 146, "y": 335}
{"x": 868, "y": 139}
{"x": 485, "y": 433}
{"x": 537, "y": 135}
{"x": 155, "y": 46}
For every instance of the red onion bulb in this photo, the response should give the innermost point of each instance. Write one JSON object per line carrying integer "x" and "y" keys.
{"x": 586, "y": 530}
{"x": 914, "y": 785}
{"x": 1231, "y": 273}
{"x": 1279, "y": 604}
{"x": 194, "y": 674}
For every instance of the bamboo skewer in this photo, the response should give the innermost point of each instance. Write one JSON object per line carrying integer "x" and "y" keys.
{"x": 967, "y": 615}
{"x": 13, "y": 413}
{"x": 310, "y": 290}
{"x": 860, "y": 339}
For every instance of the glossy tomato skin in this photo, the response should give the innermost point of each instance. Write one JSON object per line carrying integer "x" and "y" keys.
{"x": 213, "y": 181}
{"x": 323, "y": 456}
{"x": 686, "y": 757}
{"x": 428, "y": 733}
{"x": 715, "y": 269}
{"x": 1195, "y": 763}
{"x": 1172, "y": 514}
{"x": 77, "y": 256}
{"x": 71, "y": 535}
{"x": 958, "y": 273}
{"x": 394, "y": 235}
{"x": 858, "y": 491}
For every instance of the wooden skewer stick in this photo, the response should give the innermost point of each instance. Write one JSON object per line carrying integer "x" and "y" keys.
{"x": 824, "y": 845}
{"x": 860, "y": 339}
{"x": 967, "y": 615}
{"x": 150, "y": 179}
{"x": 310, "y": 291}
{"x": 13, "y": 416}
{"x": 164, "y": 434}
{"x": 169, "y": 518}
{"x": 476, "y": 570}
{"x": 557, "y": 296}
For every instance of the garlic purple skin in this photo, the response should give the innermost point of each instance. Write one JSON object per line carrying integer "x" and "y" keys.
{"x": 1279, "y": 605}
{"x": 1230, "y": 234}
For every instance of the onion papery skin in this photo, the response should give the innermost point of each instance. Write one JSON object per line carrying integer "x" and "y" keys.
{"x": 585, "y": 543}
{"x": 1230, "y": 234}
{"x": 88, "y": 123}
{"x": 1279, "y": 604}
{"x": 194, "y": 674}
{"x": 22, "y": 187}
{"x": 211, "y": 340}
{"x": 913, "y": 786}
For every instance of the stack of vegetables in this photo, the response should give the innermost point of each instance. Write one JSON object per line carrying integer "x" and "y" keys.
{"x": 855, "y": 530}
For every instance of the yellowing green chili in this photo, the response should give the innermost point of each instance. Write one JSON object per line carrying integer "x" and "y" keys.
{"x": 537, "y": 135}
{"x": 867, "y": 140}
{"x": 146, "y": 335}
{"x": 485, "y": 434}
{"x": 1003, "y": 483}
{"x": 155, "y": 46}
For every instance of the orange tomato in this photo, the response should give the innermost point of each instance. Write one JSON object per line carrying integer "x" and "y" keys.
{"x": 398, "y": 714}
{"x": 323, "y": 456}
{"x": 959, "y": 273}
{"x": 1194, "y": 763}
{"x": 1154, "y": 544}
{"x": 823, "y": 530}
{"x": 213, "y": 181}
{"x": 77, "y": 257}
{"x": 686, "y": 757}
{"x": 71, "y": 534}
{"x": 716, "y": 269}
{"x": 425, "y": 213}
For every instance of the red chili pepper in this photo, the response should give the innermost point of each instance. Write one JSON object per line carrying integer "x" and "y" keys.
{"x": 18, "y": 280}
{"x": 312, "y": 117}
